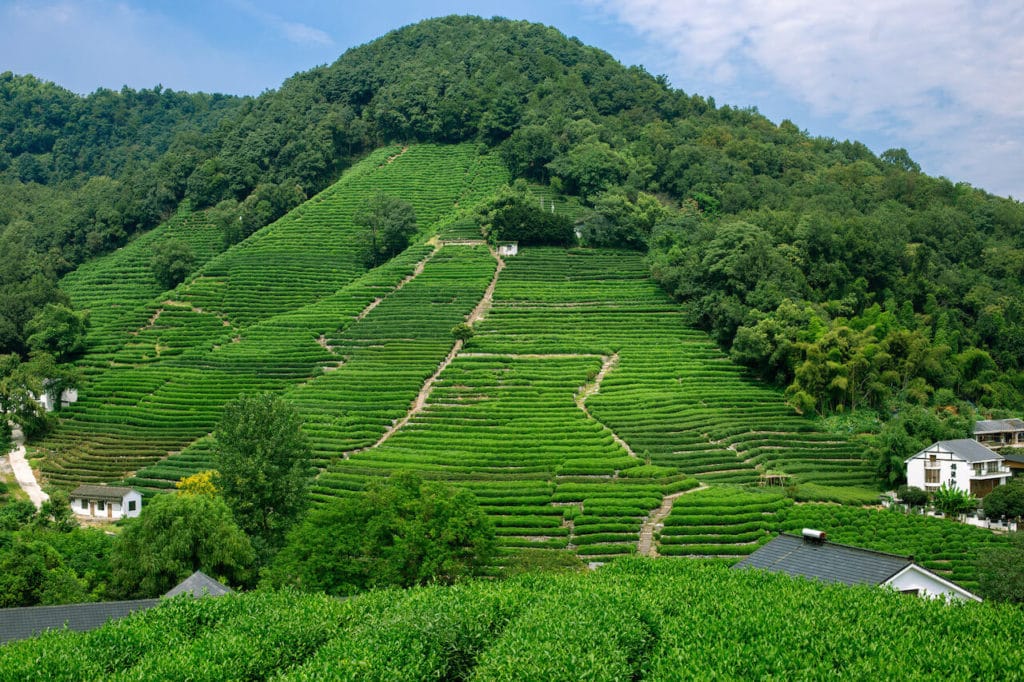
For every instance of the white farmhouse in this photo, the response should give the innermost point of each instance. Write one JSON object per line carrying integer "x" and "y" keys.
{"x": 109, "y": 503}
{"x": 67, "y": 396}
{"x": 998, "y": 433}
{"x": 964, "y": 464}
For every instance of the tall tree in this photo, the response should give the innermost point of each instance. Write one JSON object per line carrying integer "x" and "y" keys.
{"x": 388, "y": 225}
{"x": 263, "y": 460}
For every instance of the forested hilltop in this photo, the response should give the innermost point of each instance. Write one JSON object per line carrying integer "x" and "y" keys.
{"x": 851, "y": 279}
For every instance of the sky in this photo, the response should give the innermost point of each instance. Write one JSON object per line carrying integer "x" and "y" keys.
{"x": 943, "y": 79}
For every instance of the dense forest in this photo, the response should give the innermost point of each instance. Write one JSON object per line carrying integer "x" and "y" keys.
{"x": 852, "y": 280}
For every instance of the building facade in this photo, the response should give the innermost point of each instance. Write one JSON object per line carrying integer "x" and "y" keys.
{"x": 964, "y": 464}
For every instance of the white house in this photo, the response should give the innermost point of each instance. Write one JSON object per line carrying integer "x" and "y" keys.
{"x": 811, "y": 556}
{"x": 964, "y": 464}
{"x": 101, "y": 502}
{"x": 999, "y": 433}
{"x": 67, "y": 396}
{"x": 508, "y": 248}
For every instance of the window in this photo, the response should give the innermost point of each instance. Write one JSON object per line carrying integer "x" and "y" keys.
{"x": 931, "y": 476}
{"x": 131, "y": 505}
{"x": 85, "y": 504}
{"x": 101, "y": 505}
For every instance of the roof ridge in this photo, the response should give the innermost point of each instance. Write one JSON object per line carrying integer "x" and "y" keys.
{"x": 906, "y": 557}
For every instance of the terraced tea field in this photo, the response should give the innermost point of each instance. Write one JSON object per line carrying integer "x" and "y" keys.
{"x": 578, "y": 413}
{"x": 158, "y": 376}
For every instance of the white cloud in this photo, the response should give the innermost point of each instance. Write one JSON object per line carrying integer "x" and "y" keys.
{"x": 295, "y": 32}
{"x": 947, "y": 76}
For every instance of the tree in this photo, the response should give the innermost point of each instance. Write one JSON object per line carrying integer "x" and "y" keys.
{"x": 1006, "y": 500}
{"x": 174, "y": 536}
{"x": 912, "y": 495}
{"x": 59, "y": 330}
{"x": 953, "y": 502}
{"x": 202, "y": 483}
{"x": 1000, "y": 571}
{"x": 262, "y": 458}
{"x": 399, "y": 533}
{"x": 388, "y": 225}
{"x": 463, "y": 332}
{"x": 172, "y": 262}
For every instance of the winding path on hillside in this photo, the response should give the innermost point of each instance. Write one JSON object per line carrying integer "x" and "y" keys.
{"x": 421, "y": 398}
{"x": 608, "y": 363}
{"x": 22, "y": 471}
{"x": 646, "y": 545}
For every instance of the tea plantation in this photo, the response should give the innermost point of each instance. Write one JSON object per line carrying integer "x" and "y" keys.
{"x": 583, "y": 413}
{"x": 634, "y": 620}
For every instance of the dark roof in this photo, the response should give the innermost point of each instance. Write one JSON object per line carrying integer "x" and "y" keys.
{"x": 998, "y": 425}
{"x": 826, "y": 561}
{"x": 966, "y": 449}
{"x": 100, "y": 492}
{"x": 199, "y": 585}
{"x": 1014, "y": 457}
{"x": 24, "y": 622}
{"x": 29, "y": 621}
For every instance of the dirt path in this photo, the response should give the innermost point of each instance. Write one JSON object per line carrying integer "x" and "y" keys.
{"x": 482, "y": 308}
{"x": 416, "y": 272}
{"x": 646, "y": 545}
{"x": 608, "y": 364}
{"x": 421, "y": 398}
{"x": 23, "y": 472}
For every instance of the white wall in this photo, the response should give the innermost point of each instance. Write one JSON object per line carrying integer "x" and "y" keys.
{"x": 927, "y": 584}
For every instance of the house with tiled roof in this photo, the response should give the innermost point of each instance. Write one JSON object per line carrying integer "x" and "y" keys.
{"x": 105, "y": 502}
{"x": 1000, "y": 433}
{"x": 964, "y": 464}
{"x": 811, "y": 555}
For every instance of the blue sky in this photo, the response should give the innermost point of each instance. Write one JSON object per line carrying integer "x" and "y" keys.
{"x": 942, "y": 78}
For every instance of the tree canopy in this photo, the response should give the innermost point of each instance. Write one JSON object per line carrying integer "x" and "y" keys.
{"x": 401, "y": 532}
{"x": 262, "y": 460}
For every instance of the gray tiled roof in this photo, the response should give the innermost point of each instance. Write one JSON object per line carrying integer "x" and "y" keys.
{"x": 24, "y": 622}
{"x": 199, "y": 585}
{"x": 825, "y": 561}
{"x": 100, "y": 492}
{"x": 29, "y": 621}
{"x": 998, "y": 425}
{"x": 969, "y": 450}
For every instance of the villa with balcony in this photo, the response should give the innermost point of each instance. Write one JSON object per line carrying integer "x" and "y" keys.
{"x": 1000, "y": 433}
{"x": 963, "y": 464}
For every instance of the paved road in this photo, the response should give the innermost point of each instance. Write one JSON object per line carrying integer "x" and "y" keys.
{"x": 23, "y": 472}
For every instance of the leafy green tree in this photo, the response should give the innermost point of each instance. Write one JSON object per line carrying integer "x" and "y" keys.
{"x": 262, "y": 458}
{"x": 388, "y": 225}
{"x": 1000, "y": 571}
{"x": 402, "y": 532}
{"x": 953, "y": 502}
{"x": 32, "y": 572}
{"x": 58, "y": 330}
{"x": 1006, "y": 500}
{"x": 172, "y": 262}
{"x": 462, "y": 331}
{"x": 174, "y": 536}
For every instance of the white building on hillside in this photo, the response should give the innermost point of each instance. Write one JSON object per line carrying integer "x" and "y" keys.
{"x": 963, "y": 464}
{"x": 106, "y": 503}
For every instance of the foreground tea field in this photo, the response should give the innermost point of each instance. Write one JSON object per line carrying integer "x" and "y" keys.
{"x": 633, "y": 620}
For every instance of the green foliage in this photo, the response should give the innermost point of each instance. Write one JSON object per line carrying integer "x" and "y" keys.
{"x": 262, "y": 458}
{"x": 1005, "y": 501}
{"x": 462, "y": 331}
{"x": 400, "y": 533}
{"x": 953, "y": 502}
{"x": 912, "y": 495}
{"x": 388, "y": 224}
{"x": 1001, "y": 571}
{"x": 174, "y": 536}
{"x": 510, "y": 216}
{"x": 172, "y": 262}
{"x": 57, "y": 330}
{"x": 635, "y": 619}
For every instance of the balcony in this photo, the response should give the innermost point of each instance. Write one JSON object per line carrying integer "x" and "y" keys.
{"x": 932, "y": 466}
{"x": 990, "y": 472}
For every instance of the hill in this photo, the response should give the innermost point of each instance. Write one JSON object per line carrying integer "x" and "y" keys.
{"x": 735, "y": 280}
{"x": 636, "y": 620}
